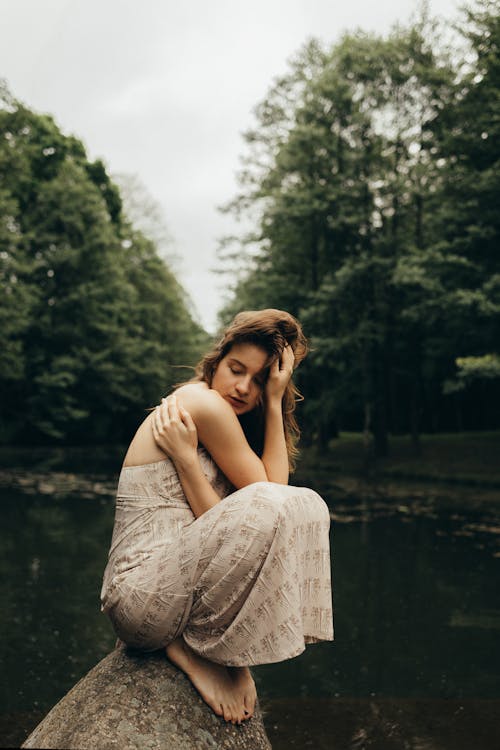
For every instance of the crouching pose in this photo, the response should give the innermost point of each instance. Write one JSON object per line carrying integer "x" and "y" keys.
{"x": 214, "y": 557}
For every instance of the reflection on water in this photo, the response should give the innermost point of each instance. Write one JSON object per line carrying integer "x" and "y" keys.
{"x": 382, "y": 724}
{"x": 417, "y": 618}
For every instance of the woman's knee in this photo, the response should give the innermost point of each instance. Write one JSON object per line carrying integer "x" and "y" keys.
{"x": 316, "y": 506}
{"x": 262, "y": 508}
{"x": 271, "y": 505}
{"x": 301, "y": 504}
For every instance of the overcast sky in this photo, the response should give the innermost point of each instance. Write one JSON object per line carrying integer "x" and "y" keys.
{"x": 163, "y": 89}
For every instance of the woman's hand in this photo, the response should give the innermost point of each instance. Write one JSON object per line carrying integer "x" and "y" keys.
{"x": 174, "y": 431}
{"x": 280, "y": 373}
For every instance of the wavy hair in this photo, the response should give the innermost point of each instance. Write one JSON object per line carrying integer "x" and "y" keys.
{"x": 271, "y": 330}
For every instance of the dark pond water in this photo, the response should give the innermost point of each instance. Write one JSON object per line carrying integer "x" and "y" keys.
{"x": 415, "y": 663}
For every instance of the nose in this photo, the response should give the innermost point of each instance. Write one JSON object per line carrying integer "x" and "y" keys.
{"x": 243, "y": 385}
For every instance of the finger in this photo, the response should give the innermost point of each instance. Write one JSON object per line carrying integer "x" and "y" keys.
{"x": 164, "y": 416}
{"x": 288, "y": 358}
{"x": 275, "y": 366}
{"x": 282, "y": 358}
{"x": 175, "y": 414}
{"x": 173, "y": 411}
{"x": 187, "y": 419}
{"x": 156, "y": 423}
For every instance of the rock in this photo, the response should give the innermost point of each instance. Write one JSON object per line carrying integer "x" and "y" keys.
{"x": 133, "y": 701}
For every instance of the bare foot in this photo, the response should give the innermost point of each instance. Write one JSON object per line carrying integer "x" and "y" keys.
{"x": 227, "y": 695}
{"x": 242, "y": 677}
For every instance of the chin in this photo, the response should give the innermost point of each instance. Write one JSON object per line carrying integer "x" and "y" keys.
{"x": 244, "y": 410}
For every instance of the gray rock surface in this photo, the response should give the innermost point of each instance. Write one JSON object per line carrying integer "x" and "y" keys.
{"x": 140, "y": 702}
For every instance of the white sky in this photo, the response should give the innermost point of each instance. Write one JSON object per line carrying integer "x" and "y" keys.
{"x": 163, "y": 89}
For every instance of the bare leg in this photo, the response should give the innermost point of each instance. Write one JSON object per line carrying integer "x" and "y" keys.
{"x": 227, "y": 690}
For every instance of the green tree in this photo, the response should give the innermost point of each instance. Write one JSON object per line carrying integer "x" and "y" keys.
{"x": 345, "y": 200}
{"x": 93, "y": 318}
{"x": 469, "y": 132}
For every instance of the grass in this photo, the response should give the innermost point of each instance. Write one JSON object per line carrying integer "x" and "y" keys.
{"x": 465, "y": 458}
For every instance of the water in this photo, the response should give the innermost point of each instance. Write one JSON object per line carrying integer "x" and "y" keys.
{"x": 417, "y": 617}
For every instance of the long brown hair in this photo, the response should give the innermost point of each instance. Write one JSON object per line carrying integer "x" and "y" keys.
{"x": 271, "y": 330}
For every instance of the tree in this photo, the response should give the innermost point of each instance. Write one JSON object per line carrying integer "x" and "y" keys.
{"x": 468, "y": 133}
{"x": 93, "y": 318}
{"x": 344, "y": 198}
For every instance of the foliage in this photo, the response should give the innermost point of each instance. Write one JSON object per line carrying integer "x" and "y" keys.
{"x": 372, "y": 182}
{"x": 91, "y": 319}
{"x": 473, "y": 368}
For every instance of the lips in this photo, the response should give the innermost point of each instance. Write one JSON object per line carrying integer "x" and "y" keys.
{"x": 236, "y": 401}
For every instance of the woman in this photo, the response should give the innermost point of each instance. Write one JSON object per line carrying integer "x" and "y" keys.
{"x": 214, "y": 557}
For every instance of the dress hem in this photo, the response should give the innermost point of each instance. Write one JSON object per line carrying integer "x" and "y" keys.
{"x": 308, "y": 640}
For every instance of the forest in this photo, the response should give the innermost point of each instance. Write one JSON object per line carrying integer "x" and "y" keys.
{"x": 92, "y": 320}
{"x": 369, "y": 194}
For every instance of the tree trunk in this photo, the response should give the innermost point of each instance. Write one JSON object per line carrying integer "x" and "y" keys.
{"x": 414, "y": 419}
{"x": 380, "y": 432}
{"x": 380, "y": 437}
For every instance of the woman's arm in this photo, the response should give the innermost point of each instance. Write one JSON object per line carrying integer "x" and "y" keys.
{"x": 175, "y": 433}
{"x": 221, "y": 433}
{"x": 275, "y": 455}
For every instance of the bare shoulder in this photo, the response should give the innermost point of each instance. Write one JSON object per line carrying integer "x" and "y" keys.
{"x": 194, "y": 390}
{"x": 200, "y": 400}
{"x": 221, "y": 433}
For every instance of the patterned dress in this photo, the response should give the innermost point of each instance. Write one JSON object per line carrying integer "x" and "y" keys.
{"x": 248, "y": 582}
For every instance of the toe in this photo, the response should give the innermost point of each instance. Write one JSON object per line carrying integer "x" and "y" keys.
{"x": 235, "y": 713}
{"x": 249, "y": 706}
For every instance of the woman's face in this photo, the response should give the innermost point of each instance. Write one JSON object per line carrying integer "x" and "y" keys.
{"x": 240, "y": 377}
